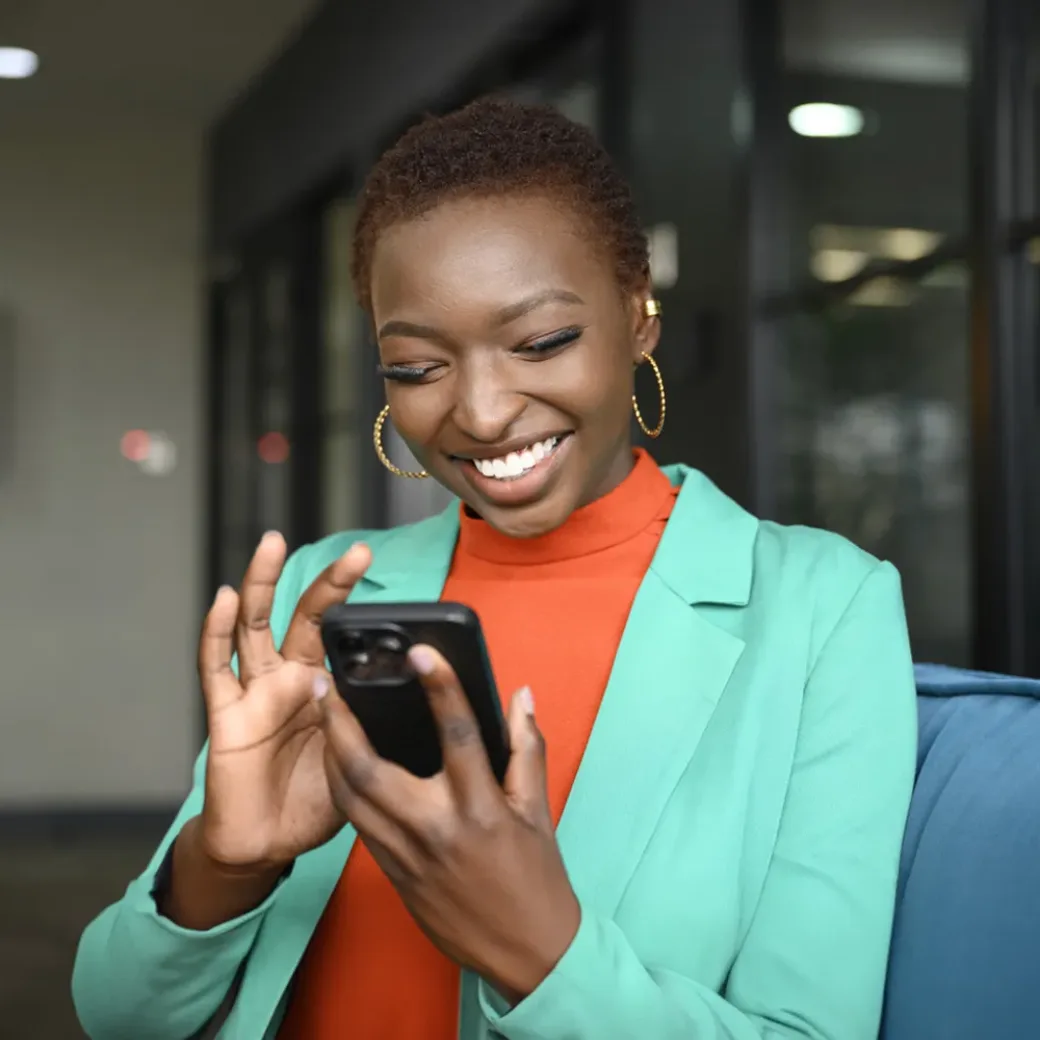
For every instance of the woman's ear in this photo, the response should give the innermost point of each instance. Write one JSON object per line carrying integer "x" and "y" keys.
{"x": 646, "y": 323}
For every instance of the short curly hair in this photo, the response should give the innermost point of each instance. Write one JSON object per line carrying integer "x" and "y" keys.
{"x": 495, "y": 146}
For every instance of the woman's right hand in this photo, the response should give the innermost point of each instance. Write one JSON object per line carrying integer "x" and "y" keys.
{"x": 267, "y": 798}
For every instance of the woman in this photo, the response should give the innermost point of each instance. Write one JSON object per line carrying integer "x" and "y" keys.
{"x": 714, "y": 730}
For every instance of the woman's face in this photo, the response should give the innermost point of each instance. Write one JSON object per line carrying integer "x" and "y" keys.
{"x": 509, "y": 351}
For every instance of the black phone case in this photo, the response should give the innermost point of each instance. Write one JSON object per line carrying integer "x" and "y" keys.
{"x": 397, "y": 719}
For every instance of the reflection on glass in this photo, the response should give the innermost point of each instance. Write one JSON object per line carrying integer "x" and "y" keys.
{"x": 874, "y": 442}
{"x": 900, "y": 41}
{"x": 1032, "y": 84}
{"x": 903, "y": 65}
{"x": 273, "y": 474}
{"x": 236, "y": 438}
{"x": 839, "y": 252}
{"x": 343, "y": 344}
{"x": 873, "y": 391}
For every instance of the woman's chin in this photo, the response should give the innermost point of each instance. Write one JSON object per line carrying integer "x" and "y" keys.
{"x": 530, "y": 520}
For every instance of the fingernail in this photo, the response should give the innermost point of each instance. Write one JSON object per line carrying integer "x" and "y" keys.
{"x": 271, "y": 534}
{"x": 422, "y": 660}
{"x": 526, "y": 700}
{"x": 320, "y": 687}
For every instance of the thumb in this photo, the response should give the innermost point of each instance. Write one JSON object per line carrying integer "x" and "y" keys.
{"x": 525, "y": 783}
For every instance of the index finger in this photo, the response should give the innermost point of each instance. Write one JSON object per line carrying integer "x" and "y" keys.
{"x": 253, "y": 639}
{"x": 466, "y": 762}
{"x": 220, "y": 687}
{"x": 302, "y": 641}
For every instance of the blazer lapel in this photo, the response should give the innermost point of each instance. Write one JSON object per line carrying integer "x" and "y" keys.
{"x": 671, "y": 668}
{"x": 410, "y": 564}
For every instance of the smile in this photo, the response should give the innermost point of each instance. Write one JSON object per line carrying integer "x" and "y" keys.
{"x": 519, "y": 477}
{"x": 516, "y": 463}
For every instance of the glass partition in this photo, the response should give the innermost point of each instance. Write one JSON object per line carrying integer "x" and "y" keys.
{"x": 870, "y": 331}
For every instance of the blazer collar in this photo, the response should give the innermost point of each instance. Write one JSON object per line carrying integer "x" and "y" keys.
{"x": 705, "y": 554}
{"x": 414, "y": 560}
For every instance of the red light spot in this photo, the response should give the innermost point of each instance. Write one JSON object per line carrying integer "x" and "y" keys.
{"x": 273, "y": 448}
{"x": 135, "y": 445}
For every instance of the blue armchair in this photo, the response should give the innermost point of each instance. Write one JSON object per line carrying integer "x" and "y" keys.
{"x": 965, "y": 960}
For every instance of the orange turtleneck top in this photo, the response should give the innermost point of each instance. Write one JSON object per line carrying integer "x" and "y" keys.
{"x": 553, "y": 609}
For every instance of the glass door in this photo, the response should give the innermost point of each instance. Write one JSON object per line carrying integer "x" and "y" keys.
{"x": 346, "y": 498}
{"x": 232, "y": 469}
{"x": 866, "y": 328}
{"x": 264, "y": 354}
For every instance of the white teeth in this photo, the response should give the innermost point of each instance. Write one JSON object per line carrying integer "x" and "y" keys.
{"x": 516, "y": 463}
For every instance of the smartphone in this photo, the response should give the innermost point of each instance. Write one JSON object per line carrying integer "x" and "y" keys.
{"x": 367, "y": 646}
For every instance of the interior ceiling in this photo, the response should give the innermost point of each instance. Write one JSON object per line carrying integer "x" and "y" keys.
{"x": 185, "y": 60}
{"x": 180, "y": 60}
{"x": 909, "y": 41}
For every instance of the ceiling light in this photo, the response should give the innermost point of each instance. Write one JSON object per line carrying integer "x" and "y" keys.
{"x": 909, "y": 243}
{"x": 17, "y": 63}
{"x": 836, "y": 265}
{"x": 882, "y": 292}
{"x": 879, "y": 243}
{"x": 822, "y": 119}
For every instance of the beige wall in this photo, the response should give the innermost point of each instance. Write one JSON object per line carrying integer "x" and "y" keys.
{"x": 99, "y": 563}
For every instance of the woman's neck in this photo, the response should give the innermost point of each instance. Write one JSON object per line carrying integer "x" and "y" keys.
{"x": 620, "y": 467}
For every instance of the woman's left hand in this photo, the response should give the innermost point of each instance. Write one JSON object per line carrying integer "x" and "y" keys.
{"x": 476, "y": 864}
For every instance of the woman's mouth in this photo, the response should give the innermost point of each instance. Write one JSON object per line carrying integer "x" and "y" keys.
{"x": 517, "y": 477}
{"x": 516, "y": 463}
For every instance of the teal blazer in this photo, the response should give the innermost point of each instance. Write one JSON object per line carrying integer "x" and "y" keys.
{"x": 732, "y": 835}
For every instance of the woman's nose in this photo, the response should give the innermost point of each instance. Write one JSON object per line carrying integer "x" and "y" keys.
{"x": 486, "y": 406}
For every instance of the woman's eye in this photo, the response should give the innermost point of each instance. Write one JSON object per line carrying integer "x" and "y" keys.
{"x": 555, "y": 341}
{"x": 403, "y": 373}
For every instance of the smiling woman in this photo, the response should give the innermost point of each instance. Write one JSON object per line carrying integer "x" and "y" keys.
{"x": 509, "y": 314}
{"x": 713, "y": 730}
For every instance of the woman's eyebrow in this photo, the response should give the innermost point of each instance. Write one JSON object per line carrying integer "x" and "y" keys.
{"x": 522, "y": 307}
{"x": 411, "y": 330}
{"x": 505, "y": 316}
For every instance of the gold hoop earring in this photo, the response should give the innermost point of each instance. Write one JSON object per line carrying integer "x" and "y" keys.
{"x": 377, "y": 440}
{"x": 656, "y": 431}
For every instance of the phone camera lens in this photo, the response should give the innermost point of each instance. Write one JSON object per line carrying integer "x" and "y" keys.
{"x": 352, "y": 644}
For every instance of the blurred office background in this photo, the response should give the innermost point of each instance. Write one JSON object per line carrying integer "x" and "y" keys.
{"x": 842, "y": 202}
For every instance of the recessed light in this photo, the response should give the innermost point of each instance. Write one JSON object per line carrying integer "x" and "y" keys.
{"x": 837, "y": 265}
{"x": 17, "y": 63}
{"x": 823, "y": 119}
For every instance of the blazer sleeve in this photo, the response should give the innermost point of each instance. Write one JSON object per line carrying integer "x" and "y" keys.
{"x": 813, "y": 963}
{"x": 139, "y": 976}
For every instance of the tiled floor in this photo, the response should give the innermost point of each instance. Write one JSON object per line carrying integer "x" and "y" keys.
{"x": 48, "y": 891}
